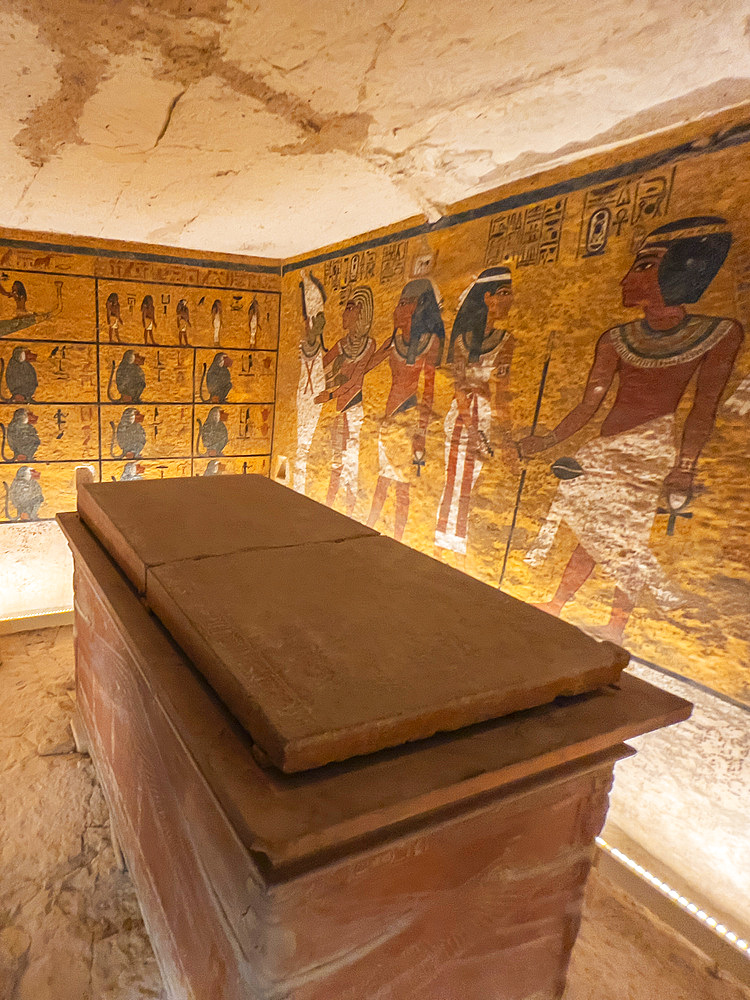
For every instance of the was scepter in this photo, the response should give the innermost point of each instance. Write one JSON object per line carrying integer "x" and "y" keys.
{"x": 522, "y": 480}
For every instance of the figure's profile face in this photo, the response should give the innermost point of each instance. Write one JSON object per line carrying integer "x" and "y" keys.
{"x": 498, "y": 302}
{"x": 640, "y": 286}
{"x": 403, "y": 313}
{"x": 350, "y": 319}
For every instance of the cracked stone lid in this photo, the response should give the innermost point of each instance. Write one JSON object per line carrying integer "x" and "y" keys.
{"x": 323, "y": 638}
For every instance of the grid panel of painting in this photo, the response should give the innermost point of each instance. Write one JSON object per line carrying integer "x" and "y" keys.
{"x": 133, "y": 379}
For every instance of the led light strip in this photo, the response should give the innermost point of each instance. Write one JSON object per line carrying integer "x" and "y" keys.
{"x": 37, "y": 614}
{"x": 676, "y": 897}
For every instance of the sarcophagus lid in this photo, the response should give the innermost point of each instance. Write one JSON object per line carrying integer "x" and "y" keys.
{"x": 325, "y": 639}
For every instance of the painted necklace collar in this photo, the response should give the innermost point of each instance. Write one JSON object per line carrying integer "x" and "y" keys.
{"x": 402, "y": 345}
{"x": 490, "y": 341}
{"x": 315, "y": 351}
{"x": 641, "y": 346}
{"x": 360, "y": 352}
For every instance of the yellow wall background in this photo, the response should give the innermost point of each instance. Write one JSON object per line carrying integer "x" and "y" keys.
{"x": 567, "y": 298}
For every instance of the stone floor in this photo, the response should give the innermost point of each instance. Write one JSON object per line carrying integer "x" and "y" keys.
{"x": 70, "y": 927}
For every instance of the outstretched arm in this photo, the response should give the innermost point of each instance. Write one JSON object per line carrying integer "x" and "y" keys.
{"x": 600, "y": 378}
{"x": 380, "y": 354}
{"x": 428, "y": 396}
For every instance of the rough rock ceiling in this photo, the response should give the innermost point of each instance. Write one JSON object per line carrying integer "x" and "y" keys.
{"x": 277, "y": 126}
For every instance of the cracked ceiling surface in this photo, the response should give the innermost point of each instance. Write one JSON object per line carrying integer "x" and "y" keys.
{"x": 278, "y": 126}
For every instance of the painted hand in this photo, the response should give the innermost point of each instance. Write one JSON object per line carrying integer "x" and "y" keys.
{"x": 418, "y": 445}
{"x": 678, "y": 488}
{"x": 532, "y": 445}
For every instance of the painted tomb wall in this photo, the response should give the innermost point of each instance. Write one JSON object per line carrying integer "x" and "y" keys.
{"x": 131, "y": 362}
{"x": 550, "y": 389}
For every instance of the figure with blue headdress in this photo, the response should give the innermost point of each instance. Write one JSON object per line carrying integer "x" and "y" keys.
{"x": 414, "y": 352}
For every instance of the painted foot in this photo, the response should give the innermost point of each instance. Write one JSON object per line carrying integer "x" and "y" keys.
{"x": 606, "y": 633}
{"x": 550, "y": 607}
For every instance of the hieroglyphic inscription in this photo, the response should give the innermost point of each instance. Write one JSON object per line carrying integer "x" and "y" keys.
{"x": 526, "y": 236}
{"x": 393, "y": 264}
{"x": 623, "y": 207}
{"x": 344, "y": 273}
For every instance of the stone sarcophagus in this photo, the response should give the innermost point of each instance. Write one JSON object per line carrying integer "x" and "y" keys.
{"x": 338, "y": 769}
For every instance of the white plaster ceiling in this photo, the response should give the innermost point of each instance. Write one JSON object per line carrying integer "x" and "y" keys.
{"x": 278, "y": 126}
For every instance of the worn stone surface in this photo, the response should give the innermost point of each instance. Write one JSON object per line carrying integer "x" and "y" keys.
{"x": 623, "y": 952}
{"x": 280, "y": 127}
{"x": 292, "y": 820}
{"x": 77, "y": 934}
{"x": 323, "y": 666}
{"x": 484, "y": 896}
{"x": 158, "y": 522}
{"x": 70, "y": 927}
{"x": 282, "y": 605}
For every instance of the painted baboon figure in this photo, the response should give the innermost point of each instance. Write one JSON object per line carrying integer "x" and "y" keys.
{"x": 21, "y": 435}
{"x": 129, "y": 379}
{"x": 213, "y": 433}
{"x": 217, "y": 379}
{"x": 25, "y": 494}
{"x": 20, "y": 377}
{"x": 129, "y": 433}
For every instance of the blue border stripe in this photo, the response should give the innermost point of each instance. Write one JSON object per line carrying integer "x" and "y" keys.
{"x": 691, "y": 683}
{"x": 147, "y": 258}
{"x": 725, "y": 139}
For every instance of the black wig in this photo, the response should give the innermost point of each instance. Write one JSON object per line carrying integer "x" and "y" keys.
{"x": 696, "y": 249}
{"x": 471, "y": 317}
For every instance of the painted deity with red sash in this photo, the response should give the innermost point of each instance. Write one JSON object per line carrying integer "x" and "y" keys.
{"x": 414, "y": 352}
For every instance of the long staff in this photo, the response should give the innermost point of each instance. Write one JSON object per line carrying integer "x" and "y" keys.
{"x": 522, "y": 480}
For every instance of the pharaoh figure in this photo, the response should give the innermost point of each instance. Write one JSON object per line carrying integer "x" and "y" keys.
{"x": 312, "y": 380}
{"x": 617, "y": 479}
{"x": 480, "y": 349}
{"x": 414, "y": 352}
{"x": 345, "y": 367}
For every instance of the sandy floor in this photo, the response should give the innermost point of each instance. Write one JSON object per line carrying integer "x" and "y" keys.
{"x": 70, "y": 927}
